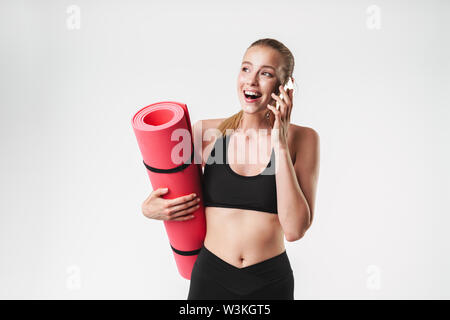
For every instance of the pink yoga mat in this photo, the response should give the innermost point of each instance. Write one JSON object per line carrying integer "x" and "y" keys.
{"x": 168, "y": 159}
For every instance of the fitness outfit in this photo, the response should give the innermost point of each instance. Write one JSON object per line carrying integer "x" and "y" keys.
{"x": 212, "y": 277}
{"x": 222, "y": 187}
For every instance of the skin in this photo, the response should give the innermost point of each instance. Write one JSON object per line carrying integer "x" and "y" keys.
{"x": 244, "y": 237}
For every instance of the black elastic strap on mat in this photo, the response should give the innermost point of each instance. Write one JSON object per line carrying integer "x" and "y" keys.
{"x": 186, "y": 253}
{"x": 176, "y": 169}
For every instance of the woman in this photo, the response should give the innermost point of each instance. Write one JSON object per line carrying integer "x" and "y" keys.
{"x": 250, "y": 208}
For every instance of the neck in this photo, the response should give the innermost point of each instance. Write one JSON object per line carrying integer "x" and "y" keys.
{"x": 255, "y": 121}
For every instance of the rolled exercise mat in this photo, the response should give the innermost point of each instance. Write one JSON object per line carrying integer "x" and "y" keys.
{"x": 169, "y": 159}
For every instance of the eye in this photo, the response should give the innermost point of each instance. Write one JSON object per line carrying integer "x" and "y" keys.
{"x": 244, "y": 68}
{"x": 269, "y": 74}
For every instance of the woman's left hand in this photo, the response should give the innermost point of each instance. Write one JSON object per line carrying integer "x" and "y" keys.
{"x": 282, "y": 118}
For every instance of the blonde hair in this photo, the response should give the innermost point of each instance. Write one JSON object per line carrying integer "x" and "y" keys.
{"x": 287, "y": 69}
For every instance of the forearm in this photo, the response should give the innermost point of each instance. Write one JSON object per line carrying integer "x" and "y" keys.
{"x": 293, "y": 209}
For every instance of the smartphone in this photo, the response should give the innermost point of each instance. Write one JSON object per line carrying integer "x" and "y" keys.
{"x": 288, "y": 85}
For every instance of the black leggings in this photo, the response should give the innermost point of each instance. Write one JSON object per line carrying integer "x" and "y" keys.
{"x": 213, "y": 278}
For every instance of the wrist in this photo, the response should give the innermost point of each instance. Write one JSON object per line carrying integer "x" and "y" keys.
{"x": 281, "y": 148}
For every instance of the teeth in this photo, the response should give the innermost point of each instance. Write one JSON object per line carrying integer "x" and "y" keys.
{"x": 251, "y": 93}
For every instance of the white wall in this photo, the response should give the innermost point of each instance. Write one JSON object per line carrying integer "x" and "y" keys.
{"x": 72, "y": 179}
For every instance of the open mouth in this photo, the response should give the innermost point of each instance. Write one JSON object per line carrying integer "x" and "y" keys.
{"x": 251, "y": 96}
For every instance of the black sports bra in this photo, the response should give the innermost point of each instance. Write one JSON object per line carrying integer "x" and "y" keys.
{"x": 222, "y": 187}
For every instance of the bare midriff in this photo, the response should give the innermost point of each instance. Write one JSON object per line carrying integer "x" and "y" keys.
{"x": 243, "y": 237}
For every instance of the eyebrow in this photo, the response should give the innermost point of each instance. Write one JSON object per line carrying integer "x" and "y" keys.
{"x": 265, "y": 66}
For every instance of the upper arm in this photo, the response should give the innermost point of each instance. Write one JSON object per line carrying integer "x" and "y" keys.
{"x": 306, "y": 166}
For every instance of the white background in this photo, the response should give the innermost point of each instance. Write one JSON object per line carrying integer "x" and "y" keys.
{"x": 72, "y": 179}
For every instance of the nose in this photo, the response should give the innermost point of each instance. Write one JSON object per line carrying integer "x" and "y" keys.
{"x": 252, "y": 79}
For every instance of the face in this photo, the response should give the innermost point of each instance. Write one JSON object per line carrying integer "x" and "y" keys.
{"x": 259, "y": 74}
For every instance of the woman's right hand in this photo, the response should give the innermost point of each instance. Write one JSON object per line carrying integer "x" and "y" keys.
{"x": 178, "y": 209}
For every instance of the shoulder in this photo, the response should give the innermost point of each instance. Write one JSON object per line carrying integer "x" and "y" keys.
{"x": 204, "y": 143}
{"x": 200, "y": 126}
{"x": 303, "y": 140}
{"x": 209, "y": 123}
{"x": 306, "y": 134}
